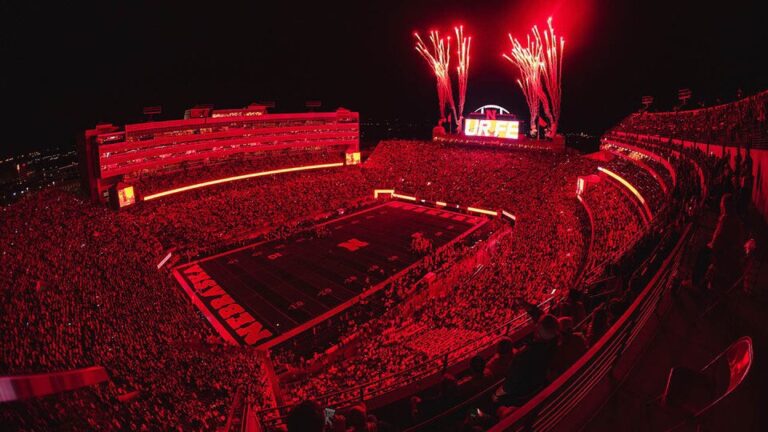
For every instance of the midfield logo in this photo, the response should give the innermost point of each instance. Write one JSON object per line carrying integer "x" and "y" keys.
{"x": 353, "y": 244}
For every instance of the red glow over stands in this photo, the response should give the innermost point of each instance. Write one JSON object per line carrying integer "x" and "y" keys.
{"x": 359, "y": 303}
{"x": 459, "y": 298}
{"x": 110, "y": 154}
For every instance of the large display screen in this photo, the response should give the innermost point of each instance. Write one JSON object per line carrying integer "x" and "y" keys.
{"x": 506, "y": 129}
{"x": 125, "y": 196}
{"x": 353, "y": 158}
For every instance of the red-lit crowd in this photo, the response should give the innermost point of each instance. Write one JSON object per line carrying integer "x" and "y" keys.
{"x": 560, "y": 336}
{"x": 733, "y": 124}
{"x": 81, "y": 285}
{"x": 235, "y": 165}
{"x": 617, "y": 225}
{"x": 200, "y": 221}
{"x": 539, "y": 259}
{"x": 82, "y": 291}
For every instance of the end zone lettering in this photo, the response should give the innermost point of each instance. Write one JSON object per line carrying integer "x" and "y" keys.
{"x": 228, "y": 312}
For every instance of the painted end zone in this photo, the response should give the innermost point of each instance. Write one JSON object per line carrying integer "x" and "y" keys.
{"x": 268, "y": 292}
{"x": 239, "y": 326}
{"x": 204, "y": 309}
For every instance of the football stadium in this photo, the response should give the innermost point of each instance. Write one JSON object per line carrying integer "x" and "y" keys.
{"x": 529, "y": 257}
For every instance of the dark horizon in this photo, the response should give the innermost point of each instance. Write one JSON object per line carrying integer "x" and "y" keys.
{"x": 70, "y": 67}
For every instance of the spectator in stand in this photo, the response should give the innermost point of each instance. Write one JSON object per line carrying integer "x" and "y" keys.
{"x": 598, "y": 325}
{"x": 751, "y": 266}
{"x": 93, "y": 294}
{"x": 572, "y": 346}
{"x": 727, "y": 246}
{"x": 448, "y": 395}
{"x": 306, "y": 417}
{"x": 477, "y": 380}
{"x": 730, "y": 124}
{"x": 498, "y": 364}
{"x": 616, "y": 307}
{"x": 529, "y": 368}
{"x": 573, "y": 307}
{"x": 358, "y": 420}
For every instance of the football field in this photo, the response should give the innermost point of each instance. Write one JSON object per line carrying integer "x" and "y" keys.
{"x": 259, "y": 292}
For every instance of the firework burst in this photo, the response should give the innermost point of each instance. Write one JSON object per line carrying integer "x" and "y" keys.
{"x": 552, "y": 71}
{"x": 528, "y": 61}
{"x": 438, "y": 57}
{"x": 541, "y": 64}
{"x": 463, "y": 45}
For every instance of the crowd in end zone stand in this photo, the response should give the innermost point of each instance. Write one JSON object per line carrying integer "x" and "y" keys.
{"x": 80, "y": 285}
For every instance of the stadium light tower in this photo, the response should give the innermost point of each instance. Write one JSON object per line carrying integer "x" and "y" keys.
{"x": 152, "y": 111}
{"x": 312, "y": 104}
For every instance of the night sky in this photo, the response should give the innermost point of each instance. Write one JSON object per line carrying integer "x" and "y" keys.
{"x": 66, "y": 67}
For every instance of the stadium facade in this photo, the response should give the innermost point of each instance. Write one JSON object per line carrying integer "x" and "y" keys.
{"x": 113, "y": 158}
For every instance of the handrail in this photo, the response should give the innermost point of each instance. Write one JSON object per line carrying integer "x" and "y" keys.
{"x": 722, "y": 296}
{"x": 234, "y": 405}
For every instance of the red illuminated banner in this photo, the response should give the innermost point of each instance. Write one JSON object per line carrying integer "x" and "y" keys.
{"x": 505, "y": 129}
{"x": 18, "y": 387}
